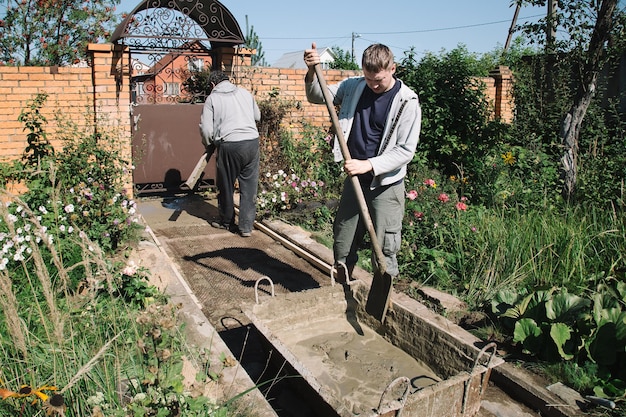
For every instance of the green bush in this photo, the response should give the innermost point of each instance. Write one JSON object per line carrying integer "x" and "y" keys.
{"x": 82, "y": 331}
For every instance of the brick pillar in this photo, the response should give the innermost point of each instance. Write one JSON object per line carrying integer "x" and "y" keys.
{"x": 230, "y": 60}
{"x": 503, "y": 101}
{"x": 110, "y": 71}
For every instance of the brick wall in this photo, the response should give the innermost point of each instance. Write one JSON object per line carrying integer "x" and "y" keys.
{"x": 74, "y": 95}
{"x": 290, "y": 83}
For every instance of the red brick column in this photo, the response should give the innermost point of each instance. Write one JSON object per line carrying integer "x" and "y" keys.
{"x": 503, "y": 101}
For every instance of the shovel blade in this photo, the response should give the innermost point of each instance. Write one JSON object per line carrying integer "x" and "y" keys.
{"x": 378, "y": 297}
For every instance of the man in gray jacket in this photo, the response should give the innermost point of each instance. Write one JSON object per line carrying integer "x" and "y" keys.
{"x": 380, "y": 118}
{"x": 228, "y": 121}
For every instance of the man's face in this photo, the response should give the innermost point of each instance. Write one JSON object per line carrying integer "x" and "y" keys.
{"x": 381, "y": 81}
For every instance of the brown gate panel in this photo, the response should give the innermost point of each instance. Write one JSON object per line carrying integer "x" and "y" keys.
{"x": 167, "y": 146}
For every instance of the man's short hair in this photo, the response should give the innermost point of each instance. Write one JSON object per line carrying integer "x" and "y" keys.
{"x": 377, "y": 57}
{"x": 216, "y": 77}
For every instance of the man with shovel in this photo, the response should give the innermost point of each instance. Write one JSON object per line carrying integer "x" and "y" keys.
{"x": 380, "y": 117}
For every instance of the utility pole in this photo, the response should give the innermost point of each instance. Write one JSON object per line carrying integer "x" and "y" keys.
{"x": 354, "y": 36}
{"x": 551, "y": 29}
{"x": 512, "y": 28}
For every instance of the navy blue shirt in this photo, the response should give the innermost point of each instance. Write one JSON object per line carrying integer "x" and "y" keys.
{"x": 369, "y": 124}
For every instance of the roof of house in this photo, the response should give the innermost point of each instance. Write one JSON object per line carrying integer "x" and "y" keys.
{"x": 295, "y": 59}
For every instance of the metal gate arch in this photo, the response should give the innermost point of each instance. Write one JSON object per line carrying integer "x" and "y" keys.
{"x": 167, "y": 41}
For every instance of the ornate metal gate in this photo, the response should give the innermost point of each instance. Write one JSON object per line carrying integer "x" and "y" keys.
{"x": 170, "y": 44}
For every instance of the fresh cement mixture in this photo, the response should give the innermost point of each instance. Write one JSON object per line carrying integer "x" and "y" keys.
{"x": 350, "y": 361}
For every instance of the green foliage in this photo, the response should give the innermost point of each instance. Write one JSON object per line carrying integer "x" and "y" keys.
{"x": 311, "y": 156}
{"x": 273, "y": 111}
{"x": 38, "y": 144}
{"x": 73, "y": 326}
{"x": 49, "y": 32}
{"x": 589, "y": 331}
{"x": 343, "y": 60}
{"x": 307, "y": 183}
{"x": 133, "y": 286}
{"x": 457, "y": 133}
{"x": 253, "y": 42}
{"x": 280, "y": 191}
{"x": 197, "y": 85}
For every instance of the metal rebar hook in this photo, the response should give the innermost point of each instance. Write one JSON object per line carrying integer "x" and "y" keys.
{"x": 256, "y": 287}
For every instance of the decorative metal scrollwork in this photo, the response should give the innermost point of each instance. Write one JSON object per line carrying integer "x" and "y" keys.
{"x": 171, "y": 24}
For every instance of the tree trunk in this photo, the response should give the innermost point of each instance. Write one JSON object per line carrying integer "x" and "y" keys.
{"x": 570, "y": 127}
{"x": 570, "y": 130}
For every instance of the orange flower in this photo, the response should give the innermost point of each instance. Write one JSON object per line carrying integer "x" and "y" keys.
{"x": 27, "y": 391}
{"x": 5, "y": 393}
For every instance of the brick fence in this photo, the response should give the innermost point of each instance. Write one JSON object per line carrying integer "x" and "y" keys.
{"x": 101, "y": 93}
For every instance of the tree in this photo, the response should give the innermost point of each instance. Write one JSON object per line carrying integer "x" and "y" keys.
{"x": 52, "y": 32}
{"x": 591, "y": 33}
{"x": 343, "y": 60}
{"x": 253, "y": 42}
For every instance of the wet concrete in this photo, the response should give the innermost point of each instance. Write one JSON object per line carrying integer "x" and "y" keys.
{"x": 219, "y": 269}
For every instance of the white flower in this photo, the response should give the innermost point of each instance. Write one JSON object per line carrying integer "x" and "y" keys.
{"x": 69, "y": 208}
{"x": 130, "y": 269}
{"x": 43, "y": 210}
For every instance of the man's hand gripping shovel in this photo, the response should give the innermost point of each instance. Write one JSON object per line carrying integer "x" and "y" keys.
{"x": 380, "y": 291}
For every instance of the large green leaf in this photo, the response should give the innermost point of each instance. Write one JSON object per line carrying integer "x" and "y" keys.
{"x": 530, "y": 335}
{"x": 565, "y": 307}
{"x": 560, "y": 334}
{"x": 602, "y": 347}
{"x": 620, "y": 328}
{"x": 519, "y": 309}
{"x": 621, "y": 289}
{"x": 503, "y": 300}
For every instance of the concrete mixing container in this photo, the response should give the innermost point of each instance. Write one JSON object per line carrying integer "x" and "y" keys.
{"x": 416, "y": 364}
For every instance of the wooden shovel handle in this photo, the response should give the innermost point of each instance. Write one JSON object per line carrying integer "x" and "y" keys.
{"x": 367, "y": 219}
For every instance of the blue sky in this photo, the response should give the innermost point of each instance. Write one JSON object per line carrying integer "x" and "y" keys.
{"x": 429, "y": 26}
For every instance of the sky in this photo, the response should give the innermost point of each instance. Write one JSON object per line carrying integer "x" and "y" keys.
{"x": 429, "y": 26}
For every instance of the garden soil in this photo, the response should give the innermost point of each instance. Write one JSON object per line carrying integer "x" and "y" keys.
{"x": 219, "y": 270}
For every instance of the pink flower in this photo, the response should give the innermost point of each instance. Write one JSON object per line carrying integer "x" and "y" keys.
{"x": 461, "y": 206}
{"x": 411, "y": 195}
{"x": 418, "y": 215}
{"x": 443, "y": 197}
{"x": 431, "y": 183}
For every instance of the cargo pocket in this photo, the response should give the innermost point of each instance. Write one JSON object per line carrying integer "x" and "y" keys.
{"x": 392, "y": 240}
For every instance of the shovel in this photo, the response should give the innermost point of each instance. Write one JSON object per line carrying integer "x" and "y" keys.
{"x": 380, "y": 291}
{"x": 192, "y": 181}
